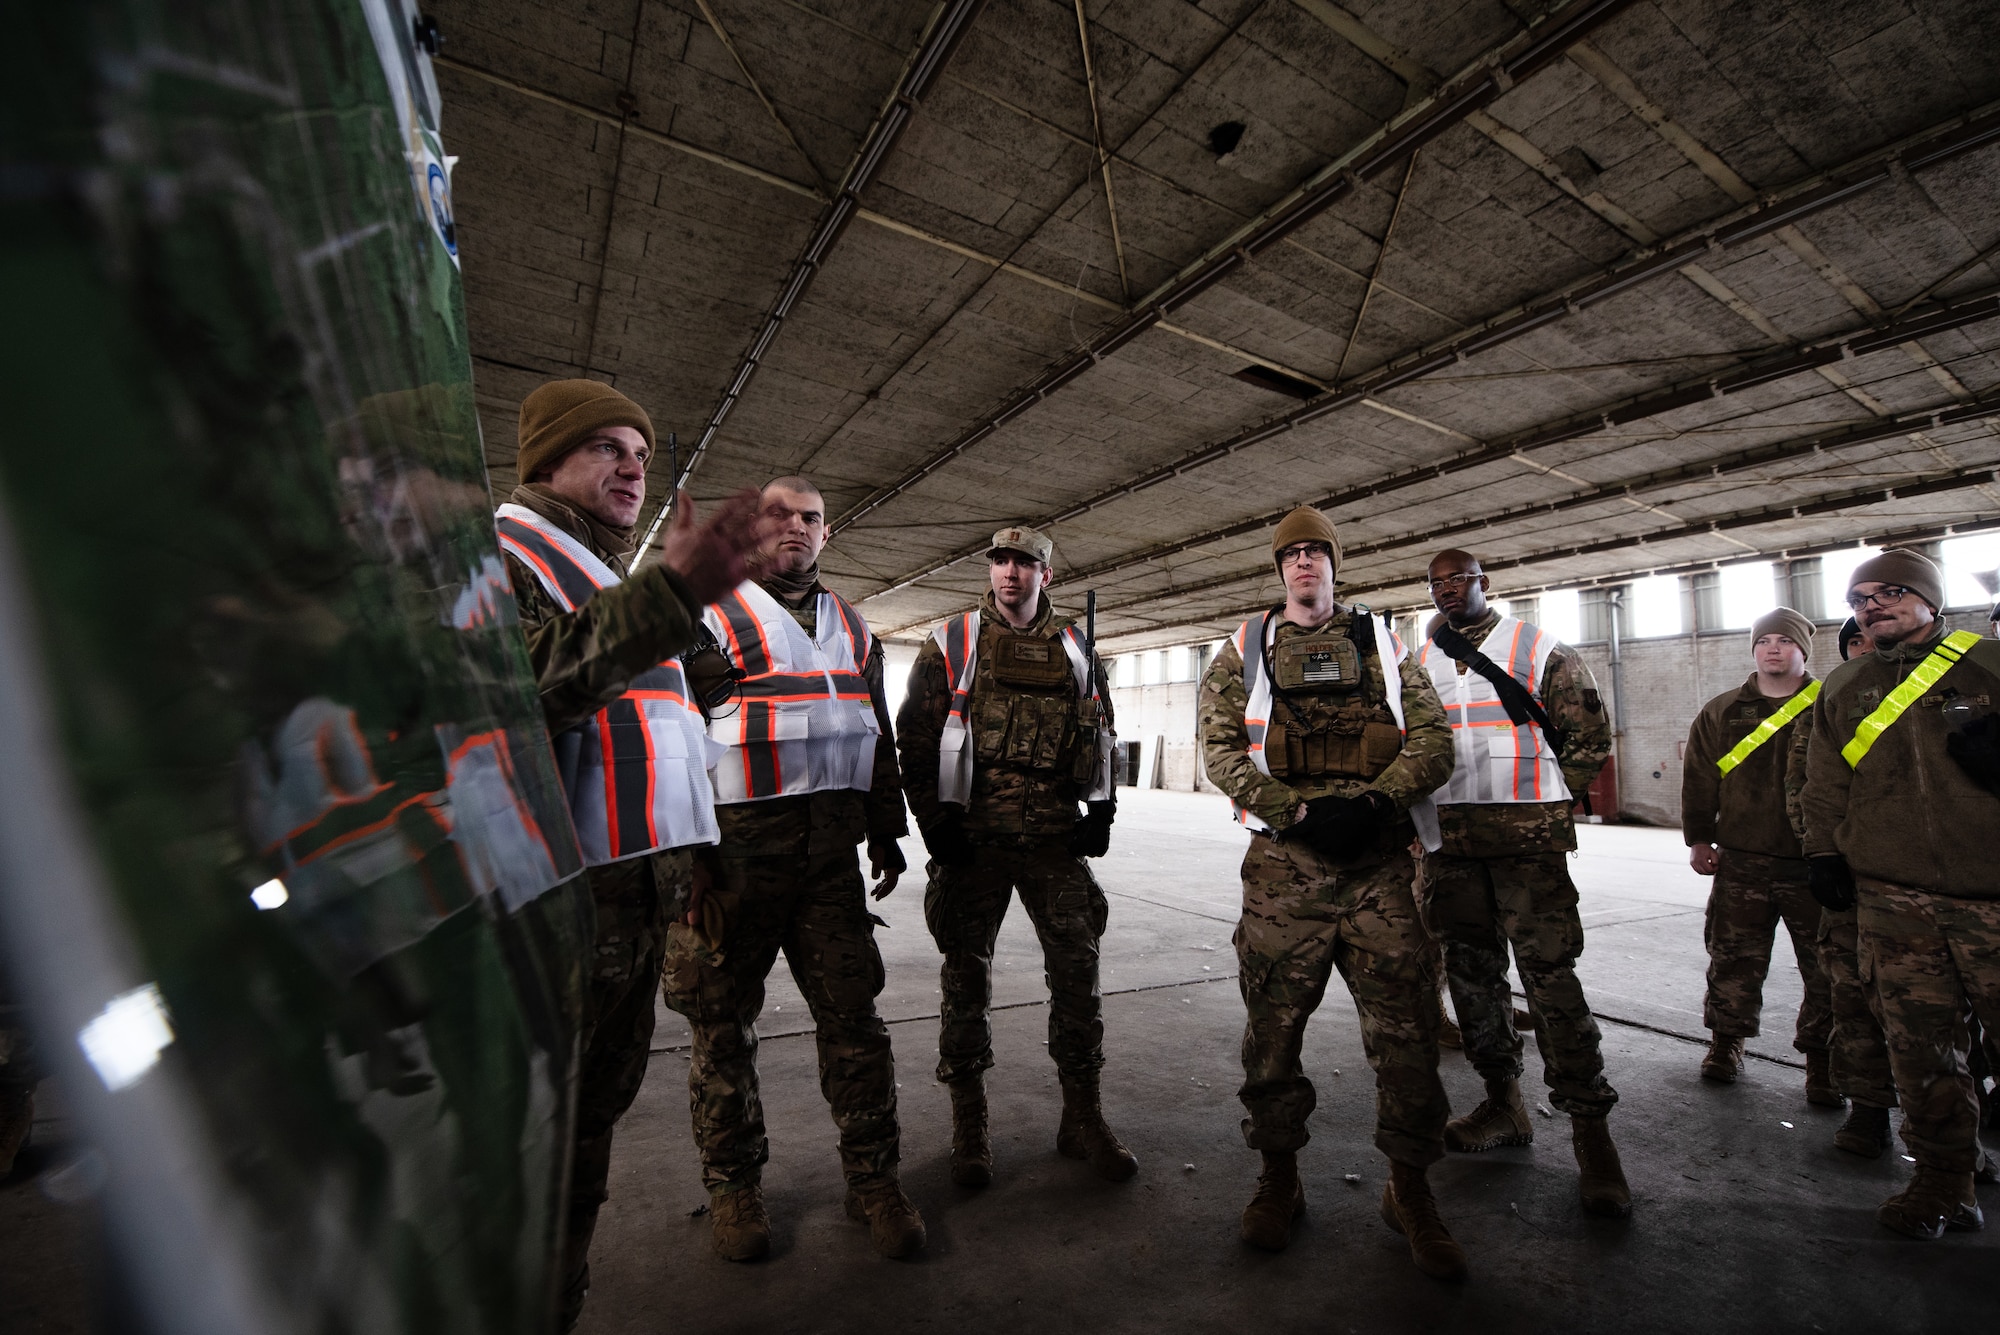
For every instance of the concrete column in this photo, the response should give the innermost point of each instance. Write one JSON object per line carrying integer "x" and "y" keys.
{"x": 1701, "y": 601}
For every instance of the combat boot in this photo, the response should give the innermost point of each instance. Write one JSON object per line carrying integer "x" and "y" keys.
{"x": 1933, "y": 1202}
{"x": 1724, "y": 1061}
{"x": 1500, "y": 1119}
{"x": 894, "y": 1225}
{"x": 971, "y": 1149}
{"x": 17, "y": 1119}
{"x": 1865, "y": 1132}
{"x": 1280, "y": 1200}
{"x": 1410, "y": 1209}
{"x": 737, "y": 1220}
{"x": 1600, "y": 1177}
{"x": 1083, "y": 1134}
{"x": 1819, "y": 1080}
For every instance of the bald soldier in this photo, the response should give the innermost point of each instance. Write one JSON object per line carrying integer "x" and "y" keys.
{"x": 1005, "y": 729}
{"x": 604, "y": 643}
{"x": 1733, "y": 819}
{"x": 1901, "y": 800}
{"x": 1529, "y": 731}
{"x": 1314, "y": 724}
{"x": 1858, "y": 1054}
{"x": 805, "y": 772}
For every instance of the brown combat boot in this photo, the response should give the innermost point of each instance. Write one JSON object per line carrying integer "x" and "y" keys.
{"x": 971, "y": 1149}
{"x": 1724, "y": 1060}
{"x": 894, "y": 1225}
{"x": 1410, "y": 1209}
{"x": 1600, "y": 1177}
{"x": 1819, "y": 1080}
{"x": 1280, "y": 1200}
{"x": 1933, "y": 1202}
{"x": 1500, "y": 1119}
{"x": 17, "y": 1119}
{"x": 1083, "y": 1134}
{"x": 737, "y": 1220}
{"x": 1865, "y": 1132}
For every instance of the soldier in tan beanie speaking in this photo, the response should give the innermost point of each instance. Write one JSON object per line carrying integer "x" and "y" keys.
{"x": 603, "y": 643}
{"x": 1733, "y": 818}
{"x": 1901, "y": 800}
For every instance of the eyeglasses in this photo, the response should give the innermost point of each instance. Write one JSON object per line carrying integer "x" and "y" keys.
{"x": 1887, "y": 596}
{"x": 1454, "y": 581}
{"x": 1298, "y": 552}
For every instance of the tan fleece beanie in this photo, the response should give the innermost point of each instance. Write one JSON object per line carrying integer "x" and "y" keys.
{"x": 1794, "y": 626}
{"x": 1898, "y": 565}
{"x": 1305, "y": 524}
{"x": 557, "y": 416}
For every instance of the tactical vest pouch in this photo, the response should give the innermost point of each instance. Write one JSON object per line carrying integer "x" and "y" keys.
{"x": 1316, "y": 664}
{"x": 1030, "y": 662}
{"x": 1030, "y": 732}
{"x": 1338, "y": 750}
{"x": 1083, "y": 757}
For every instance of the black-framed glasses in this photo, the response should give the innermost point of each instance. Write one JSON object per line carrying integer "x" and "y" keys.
{"x": 1453, "y": 582}
{"x": 1886, "y": 596}
{"x": 1297, "y": 553}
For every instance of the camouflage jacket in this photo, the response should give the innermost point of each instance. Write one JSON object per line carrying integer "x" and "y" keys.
{"x": 1907, "y": 814}
{"x": 1423, "y": 764}
{"x": 1744, "y": 809}
{"x": 1005, "y": 799}
{"x": 823, "y": 822}
{"x": 583, "y": 660}
{"x": 1502, "y": 829}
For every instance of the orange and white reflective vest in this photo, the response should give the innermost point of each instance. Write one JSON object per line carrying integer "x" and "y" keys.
{"x": 636, "y": 772}
{"x": 806, "y": 722}
{"x": 1498, "y": 760}
{"x": 958, "y": 638}
{"x": 1252, "y": 638}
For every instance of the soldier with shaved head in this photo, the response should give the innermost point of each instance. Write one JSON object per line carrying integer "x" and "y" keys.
{"x": 1530, "y": 733}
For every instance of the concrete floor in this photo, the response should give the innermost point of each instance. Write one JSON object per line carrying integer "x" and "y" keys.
{"x": 1746, "y": 1218}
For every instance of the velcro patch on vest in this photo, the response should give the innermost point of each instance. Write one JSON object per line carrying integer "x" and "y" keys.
{"x": 1316, "y": 663}
{"x": 1035, "y": 662}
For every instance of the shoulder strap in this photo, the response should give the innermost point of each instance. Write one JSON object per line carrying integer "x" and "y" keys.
{"x": 1521, "y": 706}
{"x": 1939, "y": 662}
{"x": 1768, "y": 729}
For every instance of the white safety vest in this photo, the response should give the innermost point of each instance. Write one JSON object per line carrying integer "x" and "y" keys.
{"x": 958, "y": 638}
{"x": 1498, "y": 760}
{"x": 636, "y": 772}
{"x": 1252, "y": 638}
{"x": 806, "y": 721}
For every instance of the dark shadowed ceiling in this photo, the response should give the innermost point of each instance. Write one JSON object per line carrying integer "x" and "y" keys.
{"x": 1593, "y": 289}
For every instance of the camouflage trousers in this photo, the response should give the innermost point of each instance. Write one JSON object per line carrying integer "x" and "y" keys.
{"x": 1478, "y": 907}
{"x": 632, "y": 900}
{"x": 1303, "y": 918}
{"x": 815, "y": 909}
{"x": 964, "y": 906}
{"x": 1859, "y": 1052}
{"x": 1934, "y": 962}
{"x": 1751, "y": 894}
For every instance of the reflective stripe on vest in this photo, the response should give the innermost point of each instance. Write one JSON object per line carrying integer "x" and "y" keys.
{"x": 636, "y": 772}
{"x": 958, "y": 639}
{"x": 806, "y": 722}
{"x": 1768, "y": 729}
{"x": 1250, "y": 640}
{"x": 1939, "y": 662}
{"x": 1497, "y": 760}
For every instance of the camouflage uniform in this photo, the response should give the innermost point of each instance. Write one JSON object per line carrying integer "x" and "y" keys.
{"x": 582, "y": 660}
{"x": 1915, "y": 831}
{"x": 1020, "y": 819}
{"x": 1305, "y": 916}
{"x": 786, "y": 877}
{"x": 1502, "y": 878}
{"x": 1859, "y": 1052}
{"x": 1762, "y": 874}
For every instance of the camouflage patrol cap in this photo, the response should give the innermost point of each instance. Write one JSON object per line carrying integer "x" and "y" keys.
{"x": 1027, "y": 541}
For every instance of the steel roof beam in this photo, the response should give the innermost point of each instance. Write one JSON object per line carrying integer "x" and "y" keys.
{"x": 1959, "y": 135}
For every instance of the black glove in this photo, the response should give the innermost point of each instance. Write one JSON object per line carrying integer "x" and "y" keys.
{"x": 1342, "y": 828}
{"x": 1831, "y": 882}
{"x": 887, "y": 854}
{"x": 1092, "y": 836}
{"x": 947, "y": 840}
{"x": 1976, "y": 748}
